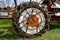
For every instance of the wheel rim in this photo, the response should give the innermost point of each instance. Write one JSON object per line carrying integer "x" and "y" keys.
{"x": 32, "y": 21}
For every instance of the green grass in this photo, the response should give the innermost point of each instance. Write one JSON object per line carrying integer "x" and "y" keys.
{"x": 6, "y": 32}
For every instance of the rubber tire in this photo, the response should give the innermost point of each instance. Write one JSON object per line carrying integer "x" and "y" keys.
{"x": 16, "y": 15}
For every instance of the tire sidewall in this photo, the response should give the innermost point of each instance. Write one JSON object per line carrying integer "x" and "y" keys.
{"x": 23, "y": 7}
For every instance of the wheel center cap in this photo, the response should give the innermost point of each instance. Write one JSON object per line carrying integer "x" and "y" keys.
{"x": 32, "y": 21}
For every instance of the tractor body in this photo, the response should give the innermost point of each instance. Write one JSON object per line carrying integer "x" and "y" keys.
{"x": 53, "y": 10}
{"x": 31, "y": 18}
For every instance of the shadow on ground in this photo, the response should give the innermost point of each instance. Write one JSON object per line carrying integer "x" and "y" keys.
{"x": 54, "y": 27}
{"x": 7, "y": 33}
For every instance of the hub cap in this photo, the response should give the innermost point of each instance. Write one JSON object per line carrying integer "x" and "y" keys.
{"x": 33, "y": 21}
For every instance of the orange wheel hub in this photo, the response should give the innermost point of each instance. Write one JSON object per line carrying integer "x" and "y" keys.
{"x": 32, "y": 21}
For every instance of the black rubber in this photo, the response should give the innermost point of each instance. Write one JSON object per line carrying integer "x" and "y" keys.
{"x": 16, "y": 15}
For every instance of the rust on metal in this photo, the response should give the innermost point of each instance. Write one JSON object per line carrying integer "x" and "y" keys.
{"x": 32, "y": 23}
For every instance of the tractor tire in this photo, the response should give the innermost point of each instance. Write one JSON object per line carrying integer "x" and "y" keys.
{"x": 29, "y": 20}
